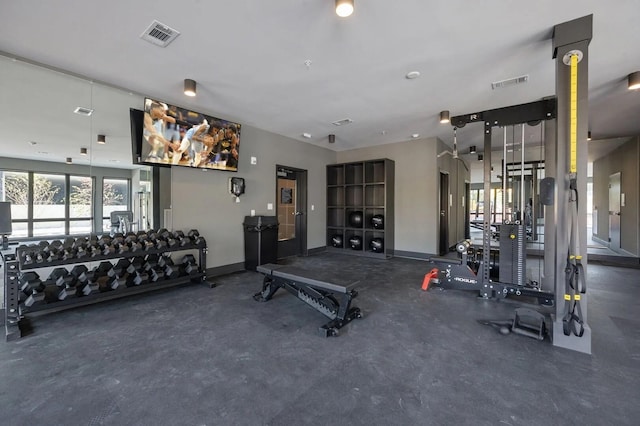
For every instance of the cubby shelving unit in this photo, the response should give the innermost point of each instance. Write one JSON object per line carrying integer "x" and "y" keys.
{"x": 361, "y": 189}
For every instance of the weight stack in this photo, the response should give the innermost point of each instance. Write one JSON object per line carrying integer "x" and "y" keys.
{"x": 513, "y": 254}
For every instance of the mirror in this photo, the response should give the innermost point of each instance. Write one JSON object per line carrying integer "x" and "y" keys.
{"x": 51, "y": 121}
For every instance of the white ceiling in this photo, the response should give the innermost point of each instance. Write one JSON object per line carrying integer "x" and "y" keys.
{"x": 248, "y": 58}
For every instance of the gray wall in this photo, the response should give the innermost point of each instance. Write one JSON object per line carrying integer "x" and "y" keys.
{"x": 626, "y": 160}
{"x": 416, "y": 190}
{"x": 200, "y": 199}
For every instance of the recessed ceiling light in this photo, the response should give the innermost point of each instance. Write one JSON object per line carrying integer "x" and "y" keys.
{"x": 412, "y": 74}
{"x": 32, "y": 143}
{"x": 384, "y": 132}
{"x": 415, "y": 135}
{"x": 306, "y": 135}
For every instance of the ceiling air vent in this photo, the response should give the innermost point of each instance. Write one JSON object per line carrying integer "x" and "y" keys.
{"x": 342, "y": 122}
{"x": 509, "y": 82}
{"x": 159, "y": 34}
{"x": 83, "y": 111}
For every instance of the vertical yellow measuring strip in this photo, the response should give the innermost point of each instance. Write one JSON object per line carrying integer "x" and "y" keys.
{"x": 573, "y": 126}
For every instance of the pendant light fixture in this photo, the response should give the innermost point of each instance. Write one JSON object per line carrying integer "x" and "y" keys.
{"x": 344, "y": 8}
{"x": 189, "y": 87}
{"x": 444, "y": 117}
{"x": 83, "y": 151}
{"x": 102, "y": 139}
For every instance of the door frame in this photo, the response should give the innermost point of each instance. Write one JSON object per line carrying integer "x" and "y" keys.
{"x": 443, "y": 213}
{"x": 301, "y": 206}
{"x": 615, "y": 222}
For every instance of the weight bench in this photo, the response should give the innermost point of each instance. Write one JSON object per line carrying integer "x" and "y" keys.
{"x": 331, "y": 299}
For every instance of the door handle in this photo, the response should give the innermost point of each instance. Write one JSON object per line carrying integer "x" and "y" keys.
{"x": 297, "y": 213}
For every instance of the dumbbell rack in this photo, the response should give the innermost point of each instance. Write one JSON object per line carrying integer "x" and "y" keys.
{"x": 15, "y": 309}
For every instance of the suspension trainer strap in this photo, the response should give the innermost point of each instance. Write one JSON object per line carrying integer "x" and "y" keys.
{"x": 575, "y": 282}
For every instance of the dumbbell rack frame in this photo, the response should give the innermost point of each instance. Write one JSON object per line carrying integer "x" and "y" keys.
{"x": 15, "y": 311}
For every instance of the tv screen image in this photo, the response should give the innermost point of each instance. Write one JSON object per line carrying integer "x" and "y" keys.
{"x": 175, "y": 136}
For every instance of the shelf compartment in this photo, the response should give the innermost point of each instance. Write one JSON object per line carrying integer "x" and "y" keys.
{"x": 354, "y": 174}
{"x": 335, "y": 175}
{"x": 335, "y": 217}
{"x": 378, "y": 237}
{"x": 369, "y": 213}
{"x": 350, "y": 218}
{"x": 374, "y": 195}
{"x": 374, "y": 171}
{"x": 355, "y": 235}
{"x": 354, "y": 195}
{"x": 335, "y": 196}
{"x": 335, "y": 236}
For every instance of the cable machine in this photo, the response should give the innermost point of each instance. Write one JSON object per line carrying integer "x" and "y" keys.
{"x": 456, "y": 273}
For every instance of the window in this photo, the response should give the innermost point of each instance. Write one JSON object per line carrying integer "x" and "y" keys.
{"x": 115, "y": 197}
{"x": 46, "y": 203}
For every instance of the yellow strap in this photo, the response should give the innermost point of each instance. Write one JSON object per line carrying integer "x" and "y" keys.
{"x": 567, "y": 297}
{"x": 573, "y": 126}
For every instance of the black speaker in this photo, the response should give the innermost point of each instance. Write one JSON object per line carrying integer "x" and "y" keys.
{"x": 336, "y": 241}
{"x": 355, "y": 219}
{"x": 355, "y": 242}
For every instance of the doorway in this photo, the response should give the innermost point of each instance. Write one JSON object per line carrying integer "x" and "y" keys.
{"x": 614, "y": 212}
{"x": 291, "y": 202}
{"x": 443, "y": 246}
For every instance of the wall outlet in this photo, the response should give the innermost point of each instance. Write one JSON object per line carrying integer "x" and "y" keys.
{"x": 313, "y": 207}
{"x": 253, "y": 212}
{"x": 269, "y": 206}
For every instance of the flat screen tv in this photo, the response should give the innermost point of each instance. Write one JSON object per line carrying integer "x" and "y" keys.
{"x": 167, "y": 135}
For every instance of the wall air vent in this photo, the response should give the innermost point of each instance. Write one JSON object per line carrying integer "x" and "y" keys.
{"x": 83, "y": 111}
{"x": 342, "y": 122}
{"x": 509, "y": 82}
{"x": 159, "y": 34}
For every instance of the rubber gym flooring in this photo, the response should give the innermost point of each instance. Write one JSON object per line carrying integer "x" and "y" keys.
{"x": 199, "y": 356}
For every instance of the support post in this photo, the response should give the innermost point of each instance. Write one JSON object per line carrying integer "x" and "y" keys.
{"x": 568, "y": 37}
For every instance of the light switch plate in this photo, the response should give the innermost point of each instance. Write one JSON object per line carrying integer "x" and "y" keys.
{"x": 254, "y": 160}
{"x": 269, "y": 206}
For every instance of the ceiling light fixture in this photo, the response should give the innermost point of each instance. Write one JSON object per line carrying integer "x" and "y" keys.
{"x": 102, "y": 139}
{"x": 83, "y": 151}
{"x": 189, "y": 87}
{"x": 332, "y": 138}
{"x": 634, "y": 80}
{"x": 415, "y": 135}
{"x": 480, "y": 157}
{"x": 444, "y": 117}
{"x": 306, "y": 135}
{"x": 412, "y": 75}
{"x": 344, "y": 8}
{"x": 69, "y": 160}
{"x": 472, "y": 149}
{"x": 589, "y": 135}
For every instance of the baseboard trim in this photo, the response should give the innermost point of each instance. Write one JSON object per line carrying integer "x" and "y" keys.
{"x": 225, "y": 269}
{"x": 317, "y": 250}
{"x": 412, "y": 255}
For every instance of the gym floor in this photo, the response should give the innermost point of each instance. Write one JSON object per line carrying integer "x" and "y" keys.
{"x": 200, "y": 356}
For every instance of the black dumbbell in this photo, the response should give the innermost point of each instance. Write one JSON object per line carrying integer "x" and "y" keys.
{"x": 30, "y": 282}
{"x": 164, "y": 233}
{"x": 189, "y": 265}
{"x": 62, "y": 278}
{"x": 54, "y": 293}
{"x": 195, "y": 237}
{"x": 150, "y": 262}
{"x": 35, "y": 297}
